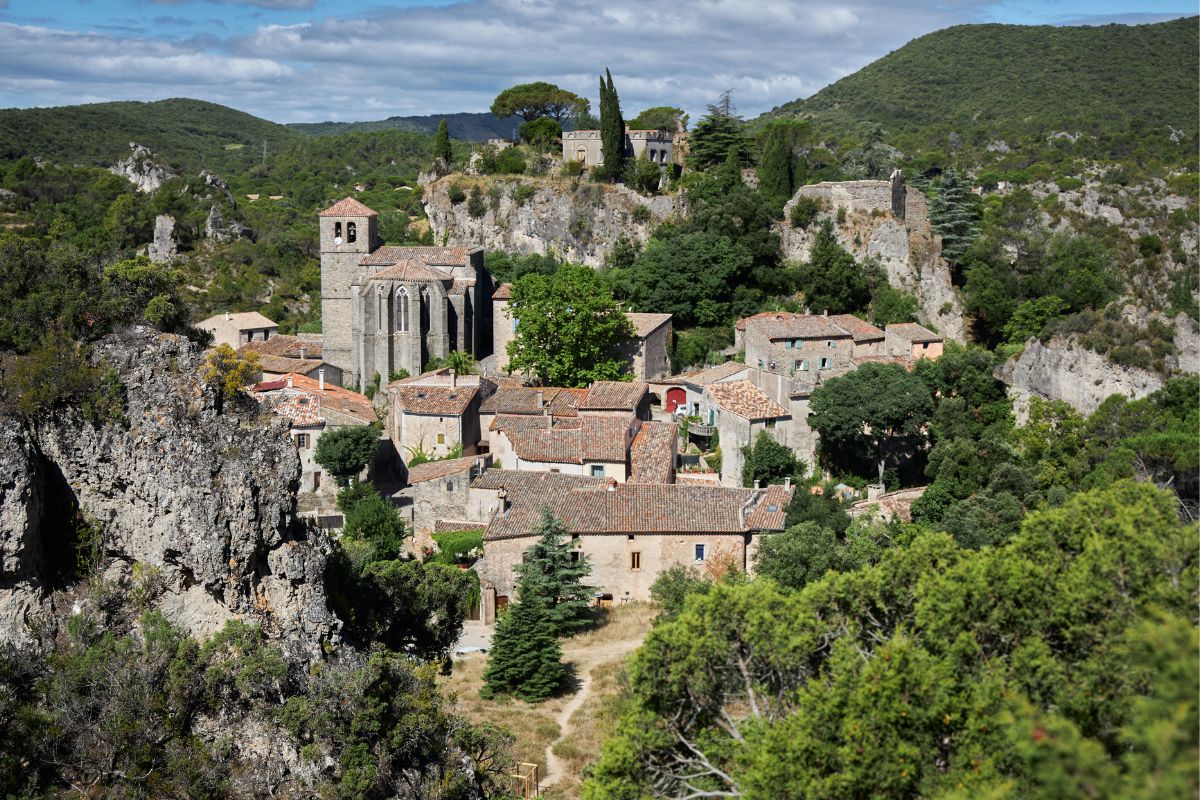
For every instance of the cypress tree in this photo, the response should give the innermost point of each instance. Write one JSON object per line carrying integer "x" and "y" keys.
{"x": 777, "y": 174}
{"x": 441, "y": 143}
{"x": 525, "y": 658}
{"x": 954, "y": 216}
{"x": 612, "y": 130}
{"x": 549, "y": 572}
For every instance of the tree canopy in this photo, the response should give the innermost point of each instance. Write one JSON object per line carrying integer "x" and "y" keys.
{"x": 343, "y": 452}
{"x": 538, "y": 99}
{"x": 667, "y": 119}
{"x": 548, "y": 571}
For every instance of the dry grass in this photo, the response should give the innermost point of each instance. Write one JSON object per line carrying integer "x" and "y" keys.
{"x": 602, "y": 651}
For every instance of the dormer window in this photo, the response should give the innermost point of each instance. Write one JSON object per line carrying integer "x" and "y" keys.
{"x": 352, "y": 235}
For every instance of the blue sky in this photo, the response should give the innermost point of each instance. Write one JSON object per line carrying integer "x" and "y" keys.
{"x": 309, "y": 60}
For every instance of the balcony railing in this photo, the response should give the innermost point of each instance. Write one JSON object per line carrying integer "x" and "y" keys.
{"x": 701, "y": 430}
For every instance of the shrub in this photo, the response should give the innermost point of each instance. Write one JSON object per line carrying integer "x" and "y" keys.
{"x": 640, "y": 213}
{"x": 456, "y": 193}
{"x": 476, "y": 206}
{"x": 523, "y": 193}
{"x": 804, "y": 211}
{"x": 573, "y": 169}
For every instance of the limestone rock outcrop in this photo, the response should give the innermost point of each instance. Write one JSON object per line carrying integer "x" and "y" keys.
{"x": 164, "y": 246}
{"x": 204, "y": 501}
{"x": 579, "y": 221}
{"x": 889, "y": 222}
{"x": 140, "y": 169}
{"x": 219, "y": 229}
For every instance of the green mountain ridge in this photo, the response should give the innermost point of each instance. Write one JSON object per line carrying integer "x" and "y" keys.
{"x": 1124, "y": 88}
{"x": 467, "y": 127}
{"x": 187, "y": 134}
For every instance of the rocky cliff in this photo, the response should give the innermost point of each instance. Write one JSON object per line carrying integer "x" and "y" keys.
{"x": 140, "y": 169}
{"x": 194, "y": 510}
{"x": 577, "y": 220}
{"x": 889, "y": 223}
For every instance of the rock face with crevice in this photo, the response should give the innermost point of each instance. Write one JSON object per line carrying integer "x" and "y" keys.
{"x": 140, "y": 169}
{"x": 203, "y": 501}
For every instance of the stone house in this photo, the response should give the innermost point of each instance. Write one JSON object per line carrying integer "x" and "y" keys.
{"x": 908, "y": 340}
{"x": 438, "y": 491}
{"x": 517, "y": 400}
{"x": 313, "y": 408}
{"x": 739, "y": 411}
{"x": 688, "y": 397}
{"x": 387, "y": 308}
{"x": 658, "y": 147}
{"x": 595, "y": 445}
{"x": 437, "y": 413}
{"x": 647, "y": 355}
{"x": 790, "y": 344}
{"x": 282, "y": 354}
{"x": 237, "y": 329}
{"x": 628, "y": 532}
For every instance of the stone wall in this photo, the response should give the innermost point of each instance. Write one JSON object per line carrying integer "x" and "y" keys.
{"x": 339, "y": 270}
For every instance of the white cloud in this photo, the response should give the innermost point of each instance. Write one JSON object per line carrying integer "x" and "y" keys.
{"x": 456, "y": 58}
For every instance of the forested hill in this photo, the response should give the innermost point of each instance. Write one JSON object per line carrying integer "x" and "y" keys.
{"x": 1129, "y": 87}
{"x": 465, "y": 127}
{"x": 187, "y": 134}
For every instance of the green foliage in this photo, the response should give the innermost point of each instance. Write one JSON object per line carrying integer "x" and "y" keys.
{"x": 780, "y": 171}
{"x": 460, "y": 361}
{"x": 699, "y": 346}
{"x": 673, "y": 586}
{"x": 955, "y": 215}
{"x": 539, "y": 99}
{"x": 833, "y": 281}
{"x": 645, "y": 176}
{"x": 935, "y": 672}
{"x": 372, "y": 522}
{"x": 767, "y": 462}
{"x": 476, "y": 205}
{"x": 667, "y": 119}
{"x": 805, "y": 552}
{"x": 543, "y": 132}
{"x": 548, "y": 571}
{"x": 59, "y": 372}
{"x": 824, "y": 507}
{"x": 456, "y": 193}
{"x": 612, "y": 132}
{"x": 878, "y": 412}
{"x": 805, "y": 211}
{"x": 441, "y": 143}
{"x": 719, "y": 136}
{"x": 507, "y": 268}
{"x": 509, "y": 161}
{"x": 458, "y": 547}
{"x": 570, "y": 328}
{"x": 889, "y": 305}
{"x": 525, "y": 659}
{"x": 1030, "y": 318}
{"x": 345, "y": 451}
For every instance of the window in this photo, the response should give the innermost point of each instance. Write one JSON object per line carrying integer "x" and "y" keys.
{"x": 337, "y": 230}
{"x": 402, "y": 310}
{"x": 351, "y": 232}
{"x": 382, "y": 310}
{"x": 574, "y": 556}
{"x": 574, "y": 537}
{"x": 770, "y": 423}
{"x": 699, "y": 552}
{"x": 597, "y": 470}
{"x": 635, "y": 560}
{"x": 802, "y": 366}
{"x": 829, "y": 343}
{"x": 824, "y": 363}
{"x": 924, "y": 345}
{"x": 789, "y": 344}
{"x": 652, "y": 154}
{"x": 441, "y": 438}
{"x": 760, "y": 363}
{"x": 631, "y": 537}
{"x": 302, "y": 441}
{"x": 316, "y": 480}
{"x": 449, "y": 486}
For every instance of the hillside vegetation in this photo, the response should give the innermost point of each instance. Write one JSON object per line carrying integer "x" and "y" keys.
{"x": 188, "y": 134}
{"x": 1126, "y": 89}
{"x": 465, "y": 127}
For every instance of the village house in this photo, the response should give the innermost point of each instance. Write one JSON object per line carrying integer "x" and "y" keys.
{"x": 658, "y": 147}
{"x": 437, "y": 491}
{"x": 517, "y": 400}
{"x": 386, "y": 309}
{"x": 912, "y": 341}
{"x": 647, "y": 356}
{"x": 313, "y": 408}
{"x": 740, "y": 411}
{"x": 436, "y": 414}
{"x": 790, "y": 344}
{"x": 282, "y": 354}
{"x": 237, "y": 329}
{"x": 629, "y": 532}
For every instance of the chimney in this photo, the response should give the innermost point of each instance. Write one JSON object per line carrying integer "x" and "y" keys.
{"x": 756, "y": 485}
{"x": 825, "y": 313}
{"x": 541, "y": 399}
{"x": 787, "y": 482}
{"x": 289, "y": 383}
{"x": 302, "y": 352}
{"x": 321, "y": 378}
{"x": 612, "y": 484}
{"x": 453, "y": 379}
{"x": 228, "y": 316}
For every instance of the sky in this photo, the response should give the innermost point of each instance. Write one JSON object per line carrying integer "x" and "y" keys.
{"x": 315, "y": 60}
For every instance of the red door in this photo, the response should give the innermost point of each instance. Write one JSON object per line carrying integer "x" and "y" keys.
{"x": 676, "y": 397}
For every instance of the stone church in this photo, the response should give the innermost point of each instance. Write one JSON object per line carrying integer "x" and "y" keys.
{"x": 386, "y": 308}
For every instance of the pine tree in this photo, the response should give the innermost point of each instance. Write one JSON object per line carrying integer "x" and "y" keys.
{"x": 525, "y": 658}
{"x": 612, "y": 130}
{"x": 954, "y": 216}
{"x": 549, "y": 571}
{"x": 441, "y": 143}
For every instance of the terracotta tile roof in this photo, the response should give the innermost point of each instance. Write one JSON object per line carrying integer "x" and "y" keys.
{"x": 242, "y": 320}
{"x": 524, "y": 400}
{"x": 577, "y": 441}
{"x": 333, "y": 403}
{"x": 714, "y": 373}
{"x": 408, "y": 270}
{"x": 446, "y": 400}
{"x": 861, "y": 330}
{"x": 746, "y": 400}
{"x": 629, "y": 508}
{"x": 443, "y": 525}
{"x": 279, "y": 365}
{"x": 796, "y": 326}
{"x": 503, "y": 292}
{"x": 539, "y": 482}
{"x": 903, "y": 361}
{"x": 614, "y": 396}
{"x": 646, "y": 324}
{"x": 511, "y": 422}
{"x": 283, "y": 345}
{"x": 348, "y": 207}
{"x": 605, "y": 438}
{"x": 461, "y": 285}
{"x": 302, "y": 410}
{"x": 652, "y": 454}
{"x": 741, "y": 323}
{"x": 695, "y": 480}
{"x": 913, "y": 332}
{"x": 433, "y": 256}
{"x": 771, "y": 512}
{"x": 432, "y": 470}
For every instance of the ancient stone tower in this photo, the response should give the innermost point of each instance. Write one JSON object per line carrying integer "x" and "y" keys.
{"x": 349, "y": 231}
{"x": 899, "y": 194}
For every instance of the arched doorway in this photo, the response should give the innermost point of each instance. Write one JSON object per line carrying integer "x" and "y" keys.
{"x": 676, "y": 397}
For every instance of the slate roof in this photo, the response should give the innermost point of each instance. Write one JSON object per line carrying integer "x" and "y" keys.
{"x": 796, "y": 326}
{"x": 434, "y": 256}
{"x": 746, "y": 400}
{"x": 652, "y": 454}
{"x": 441, "y": 400}
{"x": 348, "y": 207}
{"x": 503, "y": 292}
{"x": 646, "y": 324}
{"x": 861, "y": 330}
{"x": 614, "y": 396}
{"x": 432, "y": 470}
{"x": 407, "y": 270}
{"x": 913, "y": 332}
{"x": 624, "y": 508}
{"x": 315, "y": 403}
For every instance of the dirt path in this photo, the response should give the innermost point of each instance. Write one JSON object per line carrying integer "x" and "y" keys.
{"x": 586, "y": 661}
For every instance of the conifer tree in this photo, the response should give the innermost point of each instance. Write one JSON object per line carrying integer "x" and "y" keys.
{"x": 549, "y": 572}
{"x": 777, "y": 166}
{"x": 954, "y": 216}
{"x": 525, "y": 659}
{"x": 612, "y": 130}
{"x": 441, "y": 143}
